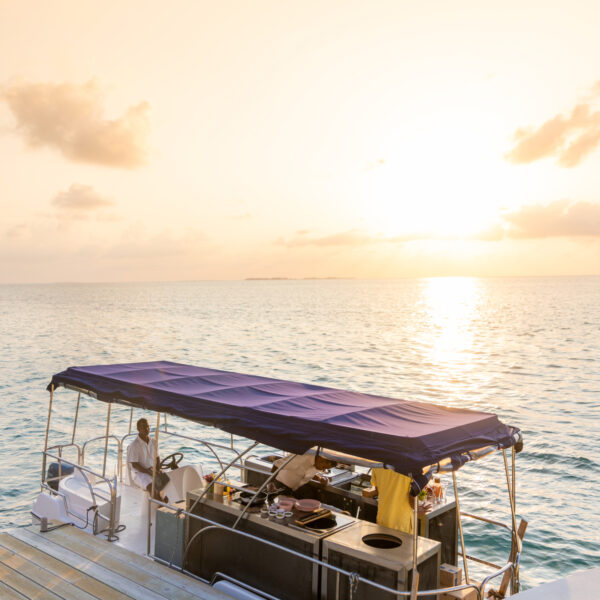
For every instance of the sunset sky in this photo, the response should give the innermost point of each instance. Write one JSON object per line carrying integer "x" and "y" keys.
{"x": 146, "y": 140}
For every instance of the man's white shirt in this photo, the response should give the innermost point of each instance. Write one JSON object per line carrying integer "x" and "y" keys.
{"x": 141, "y": 452}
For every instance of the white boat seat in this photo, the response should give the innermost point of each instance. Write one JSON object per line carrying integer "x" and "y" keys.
{"x": 182, "y": 480}
{"x": 76, "y": 490}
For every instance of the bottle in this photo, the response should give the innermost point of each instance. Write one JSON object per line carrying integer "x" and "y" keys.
{"x": 437, "y": 489}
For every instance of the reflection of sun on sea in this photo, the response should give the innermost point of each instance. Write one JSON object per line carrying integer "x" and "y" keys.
{"x": 451, "y": 303}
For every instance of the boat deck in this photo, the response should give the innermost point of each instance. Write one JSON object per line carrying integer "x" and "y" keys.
{"x": 68, "y": 564}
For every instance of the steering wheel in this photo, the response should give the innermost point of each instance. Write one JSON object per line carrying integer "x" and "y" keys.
{"x": 172, "y": 461}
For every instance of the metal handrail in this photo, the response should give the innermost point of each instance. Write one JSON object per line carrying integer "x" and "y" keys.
{"x": 507, "y": 566}
{"x": 481, "y": 560}
{"x": 93, "y": 493}
{"x": 212, "y": 525}
{"x": 209, "y": 445}
{"x": 95, "y": 439}
{"x": 60, "y": 448}
{"x": 486, "y": 520}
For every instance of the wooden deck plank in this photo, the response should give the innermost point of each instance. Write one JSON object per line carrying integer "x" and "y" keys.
{"x": 42, "y": 577}
{"x": 142, "y": 562}
{"x": 133, "y": 575}
{"x": 88, "y": 584}
{"x": 158, "y": 577}
{"x": 100, "y": 572}
{"x": 7, "y": 593}
{"x": 98, "y": 551}
{"x": 24, "y": 585}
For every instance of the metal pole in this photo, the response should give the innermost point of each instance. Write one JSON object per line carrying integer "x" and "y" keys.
{"x": 265, "y": 483}
{"x": 511, "y": 496}
{"x": 516, "y": 539}
{"x": 106, "y": 440}
{"x": 515, "y": 572}
{"x": 47, "y": 430}
{"x": 120, "y": 461}
{"x": 122, "y": 440}
{"x": 165, "y": 418}
{"x": 113, "y": 507}
{"x": 415, "y": 549}
{"x": 460, "y": 527}
{"x": 75, "y": 421}
{"x": 153, "y": 479}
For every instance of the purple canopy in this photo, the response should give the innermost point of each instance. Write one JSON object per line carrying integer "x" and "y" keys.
{"x": 297, "y": 416}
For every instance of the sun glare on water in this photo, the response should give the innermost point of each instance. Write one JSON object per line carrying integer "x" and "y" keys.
{"x": 451, "y": 304}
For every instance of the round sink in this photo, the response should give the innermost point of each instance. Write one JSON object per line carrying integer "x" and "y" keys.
{"x": 384, "y": 541}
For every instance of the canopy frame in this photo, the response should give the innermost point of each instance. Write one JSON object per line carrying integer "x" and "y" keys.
{"x": 407, "y": 436}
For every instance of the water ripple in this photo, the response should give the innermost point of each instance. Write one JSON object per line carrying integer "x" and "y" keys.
{"x": 526, "y": 348}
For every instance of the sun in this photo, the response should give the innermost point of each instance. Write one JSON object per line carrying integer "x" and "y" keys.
{"x": 448, "y": 183}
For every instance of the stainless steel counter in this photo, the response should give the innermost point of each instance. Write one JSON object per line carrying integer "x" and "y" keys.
{"x": 232, "y": 507}
{"x": 287, "y": 576}
{"x": 265, "y": 567}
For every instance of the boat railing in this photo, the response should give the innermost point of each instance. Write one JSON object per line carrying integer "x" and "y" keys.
{"x": 59, "y": 448}
{"x": 94, "y": 491}
{"x": 212, "y": 446}
{"x": 507, "y": 566}
{"x": 492, "y": 522}
{"x": 106, "y": 439}
{"x": 353, "y": 578}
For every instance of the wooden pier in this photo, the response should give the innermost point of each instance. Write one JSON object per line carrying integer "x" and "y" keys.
{"x": 68, "y": 564}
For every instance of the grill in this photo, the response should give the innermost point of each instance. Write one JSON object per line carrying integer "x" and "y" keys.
{"x": 264, "y": 463}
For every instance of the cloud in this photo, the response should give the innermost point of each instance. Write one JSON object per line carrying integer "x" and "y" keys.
{"x": 562, "y": 218}
{"x": 80, "y": 199}
{"x": 19, "y": 231}
{"x": 569, "y": 138}
{"x": 70, "y": 118}
{"x": 558, "y": 219}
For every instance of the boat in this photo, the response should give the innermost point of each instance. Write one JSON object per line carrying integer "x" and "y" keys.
{"x": 217, "y": 527}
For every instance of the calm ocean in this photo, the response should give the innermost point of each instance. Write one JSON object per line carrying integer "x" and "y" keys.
{"x": 527, "y": 349}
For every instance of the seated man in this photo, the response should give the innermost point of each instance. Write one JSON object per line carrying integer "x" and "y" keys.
{"x": 396, "y": 494}
{"x": 296, "y": 476}
{"x": 140, "y": 455}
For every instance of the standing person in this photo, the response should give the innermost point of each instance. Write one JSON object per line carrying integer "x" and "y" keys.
{"x": 296, "y": 476}
{"x": 140, "y": 455}
{"x": 396, "y": 494}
